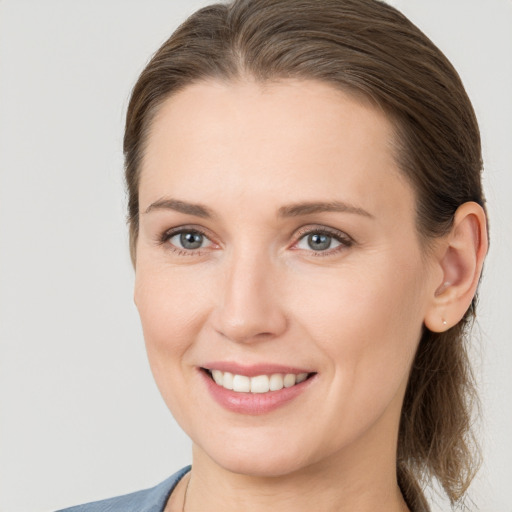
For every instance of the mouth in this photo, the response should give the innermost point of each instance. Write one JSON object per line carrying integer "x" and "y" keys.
{"x": 258, "y": 384}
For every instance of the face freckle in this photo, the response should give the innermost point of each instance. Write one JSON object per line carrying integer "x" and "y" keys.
{"x": 256, "y": 171}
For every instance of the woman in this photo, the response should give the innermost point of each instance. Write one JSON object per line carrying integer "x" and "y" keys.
{"x": 308, "y": 232}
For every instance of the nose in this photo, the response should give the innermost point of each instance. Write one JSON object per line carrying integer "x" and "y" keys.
{"x": 250, "y": 306}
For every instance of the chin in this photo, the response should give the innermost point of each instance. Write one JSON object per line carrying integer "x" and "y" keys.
{"x": 261, "y": 467}
{"x": 263, "y": 459}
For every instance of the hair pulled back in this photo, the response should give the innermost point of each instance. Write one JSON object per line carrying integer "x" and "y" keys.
{"x": 368, "y": 48}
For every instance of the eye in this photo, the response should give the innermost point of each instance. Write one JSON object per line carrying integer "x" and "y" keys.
{"x": 323, "y": 240}
{"x": 187, "y": 239}
{"x": 190, "y": 240}
{"x": 317, "y": 241}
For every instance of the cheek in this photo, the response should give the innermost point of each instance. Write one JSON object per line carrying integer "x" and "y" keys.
{"x": 172, "y": 309}
{"x": 169, "y": 302}
{"x": 368, "y": 325}
{"x": 362, "y": 301}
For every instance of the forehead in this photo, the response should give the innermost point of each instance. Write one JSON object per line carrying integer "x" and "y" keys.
{"x": 245, "y": 112}
{"x": 304, "y": 137}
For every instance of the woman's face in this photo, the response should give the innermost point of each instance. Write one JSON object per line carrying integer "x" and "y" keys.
{"x": 277, "y": 237}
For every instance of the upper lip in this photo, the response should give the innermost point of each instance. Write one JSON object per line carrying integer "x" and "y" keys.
{"x": 253, "y": 370}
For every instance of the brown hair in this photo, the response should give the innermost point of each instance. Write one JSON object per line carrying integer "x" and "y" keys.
{"x": 368, "y": 48}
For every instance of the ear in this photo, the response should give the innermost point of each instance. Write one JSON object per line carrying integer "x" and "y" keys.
{"x": 460, "y": 258}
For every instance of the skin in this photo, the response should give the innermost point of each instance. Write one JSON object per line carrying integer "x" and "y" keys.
{"x": 257, "y": 293}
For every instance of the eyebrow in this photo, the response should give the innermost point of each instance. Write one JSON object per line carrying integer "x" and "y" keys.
{"x": 197, "y": 210}
{"x": 308, "y": 208}
{"x": 292, "y": 210}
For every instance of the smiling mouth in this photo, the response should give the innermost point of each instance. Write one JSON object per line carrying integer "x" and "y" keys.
{"x": 258, "y": 383}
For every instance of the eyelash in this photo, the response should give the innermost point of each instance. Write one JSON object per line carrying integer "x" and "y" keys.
{"x": 343, "y": 239}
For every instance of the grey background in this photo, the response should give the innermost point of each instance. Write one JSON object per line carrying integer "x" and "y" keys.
{"x": 80, "y": 416}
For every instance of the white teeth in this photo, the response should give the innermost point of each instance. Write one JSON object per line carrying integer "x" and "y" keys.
{"x": 217, "y": 376}
{"x": 276, "y": 382}
{"x": 258, "y": 384}
{"x": 227, "y": 382}
{"x": 241, "y": 384}
{"x": 289, "y": 380}
{"x": 301, "y": 377}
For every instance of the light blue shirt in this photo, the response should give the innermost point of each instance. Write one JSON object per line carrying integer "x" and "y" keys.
{"x": 148, "y": 500}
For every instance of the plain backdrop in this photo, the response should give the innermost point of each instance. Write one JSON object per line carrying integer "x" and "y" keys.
{"x": 80, "y": 416}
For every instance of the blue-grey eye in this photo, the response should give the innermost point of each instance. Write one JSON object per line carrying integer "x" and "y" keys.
{"x": 188, "y": 239}
{"x": 318, "y": 241}
{"x": 191, "y": 239}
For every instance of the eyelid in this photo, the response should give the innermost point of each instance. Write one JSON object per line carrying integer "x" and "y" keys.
{"x": 318, "y": 228}
{"x": 169, "y": 233}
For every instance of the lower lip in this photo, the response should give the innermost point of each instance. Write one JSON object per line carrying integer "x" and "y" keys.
{"x": 253, "y": 403}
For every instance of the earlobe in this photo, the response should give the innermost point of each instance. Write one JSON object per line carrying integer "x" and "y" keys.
{"x": 460, "y": 258}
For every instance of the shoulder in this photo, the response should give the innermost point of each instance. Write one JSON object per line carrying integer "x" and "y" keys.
{"x": 148, "y": 500}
